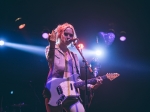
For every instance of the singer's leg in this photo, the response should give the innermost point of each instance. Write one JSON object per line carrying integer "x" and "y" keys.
{"x": 46, "y": 95}
{"x": 76, "y": 107}
{"x": 51, "y": 108}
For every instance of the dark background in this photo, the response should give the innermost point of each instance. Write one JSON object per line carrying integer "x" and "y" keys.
{"x": 25, "y": 73}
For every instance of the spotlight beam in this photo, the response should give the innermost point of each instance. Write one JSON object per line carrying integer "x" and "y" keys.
{"x": 27, "y": 48}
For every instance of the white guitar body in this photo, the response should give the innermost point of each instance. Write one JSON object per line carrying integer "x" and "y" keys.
{"x": 62, "y": 88}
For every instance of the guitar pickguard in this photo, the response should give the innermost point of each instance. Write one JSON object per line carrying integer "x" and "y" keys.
{"x": 69, "y": 89}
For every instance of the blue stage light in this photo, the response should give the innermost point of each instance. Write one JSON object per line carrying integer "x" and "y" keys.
{"x": 108, "y": 38}
{"x": 2, "y": 42}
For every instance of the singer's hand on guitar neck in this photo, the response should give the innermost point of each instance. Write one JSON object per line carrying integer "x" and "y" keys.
{"x": 99, "y": 82}
{"x": 52, "y": 36}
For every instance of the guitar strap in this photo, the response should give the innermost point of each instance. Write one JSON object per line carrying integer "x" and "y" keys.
{"x": 75, "y": 62}
{"x": 77, "y": 73}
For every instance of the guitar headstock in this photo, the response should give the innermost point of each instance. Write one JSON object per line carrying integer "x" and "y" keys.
{"x": 112, "y": 76}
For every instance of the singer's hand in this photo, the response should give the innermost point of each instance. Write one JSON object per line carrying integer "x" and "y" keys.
{"x": 99, "y": 82}
{"x": 52, "y": 36}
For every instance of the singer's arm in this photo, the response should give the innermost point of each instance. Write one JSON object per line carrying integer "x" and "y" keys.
{"x": 50, "y": 50}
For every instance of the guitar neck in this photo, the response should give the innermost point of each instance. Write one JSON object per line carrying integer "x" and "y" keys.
{"x": 89, "y": 81}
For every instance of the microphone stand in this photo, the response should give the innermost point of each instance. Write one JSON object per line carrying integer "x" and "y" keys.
{"x": 36, "y": 104}
{"x": 1, "y": 107}
{"x": 89, "y": 68}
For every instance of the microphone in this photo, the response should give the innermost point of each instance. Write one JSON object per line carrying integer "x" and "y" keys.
{"x": 72, "y": 40}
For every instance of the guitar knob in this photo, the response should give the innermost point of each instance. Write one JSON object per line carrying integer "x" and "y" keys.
{"x": 59, "y": 102}
{"x": 61, "y": 99}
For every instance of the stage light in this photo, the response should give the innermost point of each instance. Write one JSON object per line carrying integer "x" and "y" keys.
{"x": 22, "y": 26}
{"x": 45, "y": 35}
{"x": 81, "y": 46}
{"x": 20, "y": 23}
{"x": 11, "y": 92}
{"x": 1, "y": 42}
{"x": 122, "y": 36}
{"x": 99, "y": 53}
{"x": 107, "y": 38}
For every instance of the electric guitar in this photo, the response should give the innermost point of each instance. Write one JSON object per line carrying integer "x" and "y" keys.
{"x": 62, "y": 88}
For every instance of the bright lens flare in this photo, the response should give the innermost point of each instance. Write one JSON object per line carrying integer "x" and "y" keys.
{"x": 99, "y": 53}
{"x": 81, "y": 46}
{"x": 1, "y": 42}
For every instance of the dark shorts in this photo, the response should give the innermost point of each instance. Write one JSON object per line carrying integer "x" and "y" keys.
{"x": 46, "y": 93}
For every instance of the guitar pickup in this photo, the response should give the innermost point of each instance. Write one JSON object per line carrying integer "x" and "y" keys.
{"x": 59, "y": 90}
{"x": 71, "y": 86}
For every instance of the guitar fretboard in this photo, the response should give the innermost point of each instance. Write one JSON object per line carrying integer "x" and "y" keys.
{"x": 89, "y": 81}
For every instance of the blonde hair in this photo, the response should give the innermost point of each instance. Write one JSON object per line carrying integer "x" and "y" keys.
{"x": 60, "y": 30}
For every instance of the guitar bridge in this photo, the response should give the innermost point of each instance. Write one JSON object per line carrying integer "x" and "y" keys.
{"x": 59, "y": 90}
